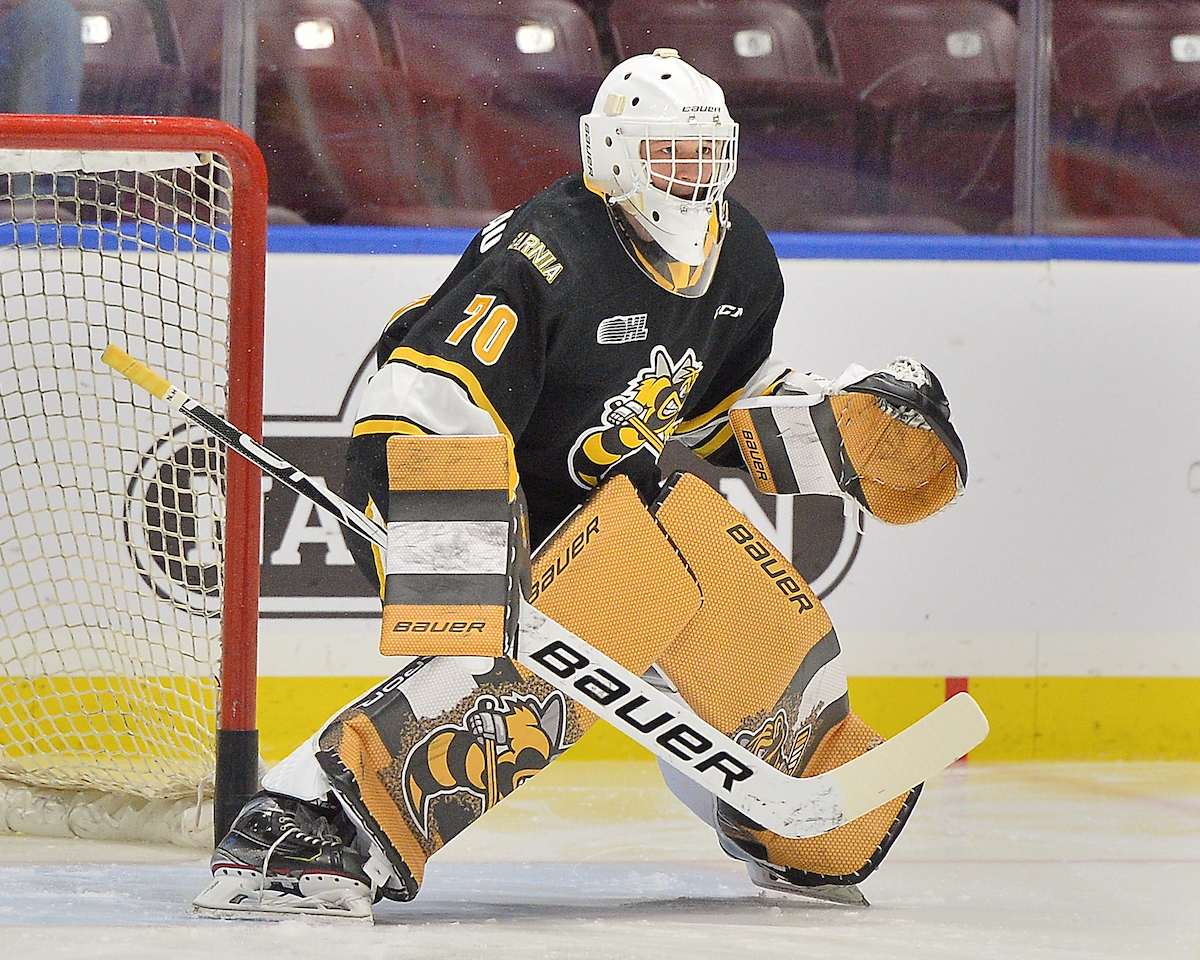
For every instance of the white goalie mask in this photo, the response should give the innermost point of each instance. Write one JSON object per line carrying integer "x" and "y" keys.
{"x": 660, "y": 147}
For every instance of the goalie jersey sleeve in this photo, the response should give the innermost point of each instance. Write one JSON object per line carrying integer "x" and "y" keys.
{"x": 547, "y": 333}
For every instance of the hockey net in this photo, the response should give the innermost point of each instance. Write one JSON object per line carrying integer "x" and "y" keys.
{"x": 129, "y": 575}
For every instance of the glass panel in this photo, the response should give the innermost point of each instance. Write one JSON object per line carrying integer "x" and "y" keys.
{"x": 1125, "y": 114}
{"x": 861, "y": 115}
{"x": 855, "y": 115}
{"x": 937, "y": 84}
{"x": 91, "y": 56}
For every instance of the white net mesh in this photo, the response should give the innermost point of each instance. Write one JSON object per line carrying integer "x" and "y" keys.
{"x": 111, "y": 513}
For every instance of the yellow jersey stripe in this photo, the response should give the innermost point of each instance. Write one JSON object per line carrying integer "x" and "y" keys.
{"x": 702, "y": 420}
{"x": 719, "y": 439}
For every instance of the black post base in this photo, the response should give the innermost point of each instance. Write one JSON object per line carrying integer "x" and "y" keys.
{"x": 237, "y": 777}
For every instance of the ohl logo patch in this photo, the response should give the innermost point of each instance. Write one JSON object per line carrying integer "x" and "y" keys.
{"x": 500, "y": 744}
{"x": 643, "y": 415}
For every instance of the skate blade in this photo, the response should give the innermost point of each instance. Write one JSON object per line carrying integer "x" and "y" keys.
{"x": 847, "y": 896}
{"x": 228, "y": 898}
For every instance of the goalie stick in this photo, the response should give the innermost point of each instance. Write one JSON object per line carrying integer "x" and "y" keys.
{"x": 789, "y": 806}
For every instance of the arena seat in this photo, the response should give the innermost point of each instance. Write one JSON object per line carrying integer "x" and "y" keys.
{"x": 333, "y": 120}
{"x": 132, "y": 60}
{"x": 737, "y": 43}
{"x": 796, "y": 161}
{"x": 332, "y": 116}
{"x": 498, "y": 90}
{"x": 1126, "y": 109}
{"x": 937, "y": 79}
{"x": 1107, "y": 51}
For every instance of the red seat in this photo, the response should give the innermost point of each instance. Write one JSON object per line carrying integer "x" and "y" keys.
{"x": 331, "y": 115}
{"x": 132, "y": 60}
{"x": 333, "y": 119}
{"x": 1126, "y": 110}
{"x": 938, "y": 79}
{"x": 498, "y": 89}
{"x": 737, "y": 42}
{"x": 1107, "y": 51}
{"x": 796, "y": 156}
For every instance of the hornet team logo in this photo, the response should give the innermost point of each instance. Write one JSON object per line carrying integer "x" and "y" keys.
{"x": 643, "y": 415}
{"x": 500, "y": 744}
{"x": 773, "y": 743}
{"x": 173, "y": 509}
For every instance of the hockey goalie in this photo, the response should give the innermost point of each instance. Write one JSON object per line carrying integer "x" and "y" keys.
{"x": 527, "y": 401}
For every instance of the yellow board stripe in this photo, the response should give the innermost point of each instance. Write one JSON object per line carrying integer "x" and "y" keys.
{"x": 1046, "y": 718}
{"x": 1043, "y": 718}
{"x": 142, "y": 735}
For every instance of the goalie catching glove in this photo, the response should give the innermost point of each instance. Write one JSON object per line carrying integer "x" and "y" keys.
{"x": 883, "y": 438}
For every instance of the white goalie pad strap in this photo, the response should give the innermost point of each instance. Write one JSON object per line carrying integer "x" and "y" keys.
{"x": 810, "y": 383}
{"x": 447, "y": 546}
{"x": 769, "y": 373}
{"x": 790, "y": 443}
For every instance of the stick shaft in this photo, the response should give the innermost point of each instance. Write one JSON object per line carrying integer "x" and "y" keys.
{"x": 789, "y": 806}
{"x": 241, "y": 443}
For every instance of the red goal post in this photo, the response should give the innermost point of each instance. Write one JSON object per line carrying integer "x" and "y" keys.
{"x": 157, "y": 224}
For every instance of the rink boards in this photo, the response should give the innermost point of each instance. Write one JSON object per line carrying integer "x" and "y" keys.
{"x": 1061, "y": 590}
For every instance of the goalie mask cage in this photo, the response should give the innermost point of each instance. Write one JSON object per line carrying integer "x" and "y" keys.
{"x": 130, "y": 543}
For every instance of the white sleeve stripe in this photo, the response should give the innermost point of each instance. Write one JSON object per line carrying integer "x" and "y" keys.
{"x": 432, "y": 400}
{"x": 697, "y": 437}
{"x": 770, "y": 371}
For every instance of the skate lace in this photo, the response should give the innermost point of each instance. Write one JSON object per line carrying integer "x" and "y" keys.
{"x": 291, "y": 829}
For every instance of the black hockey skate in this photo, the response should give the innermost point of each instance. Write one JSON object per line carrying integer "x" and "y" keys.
{"x": 284, "y": 857}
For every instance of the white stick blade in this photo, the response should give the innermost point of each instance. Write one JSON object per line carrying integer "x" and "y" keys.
{"x": 912, "y": 756}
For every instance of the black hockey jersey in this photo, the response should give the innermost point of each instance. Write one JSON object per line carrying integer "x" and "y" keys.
{"x": 547, "y": 332}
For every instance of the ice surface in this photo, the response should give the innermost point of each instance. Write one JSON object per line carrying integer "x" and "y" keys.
{"x": 596, "y": 860}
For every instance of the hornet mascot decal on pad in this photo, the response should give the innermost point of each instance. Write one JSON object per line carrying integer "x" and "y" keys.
{"x": 499, "y": 745}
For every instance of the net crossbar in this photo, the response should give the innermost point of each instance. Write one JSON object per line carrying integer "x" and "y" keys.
{"x": 123, "y": 540}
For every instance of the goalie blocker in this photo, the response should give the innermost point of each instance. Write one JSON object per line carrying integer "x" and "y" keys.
{"x": 884, "y": 439}
{"x": 457, "y": 545}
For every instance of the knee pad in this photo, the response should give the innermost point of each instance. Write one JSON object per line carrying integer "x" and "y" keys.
{"x": 762, "y": 663}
